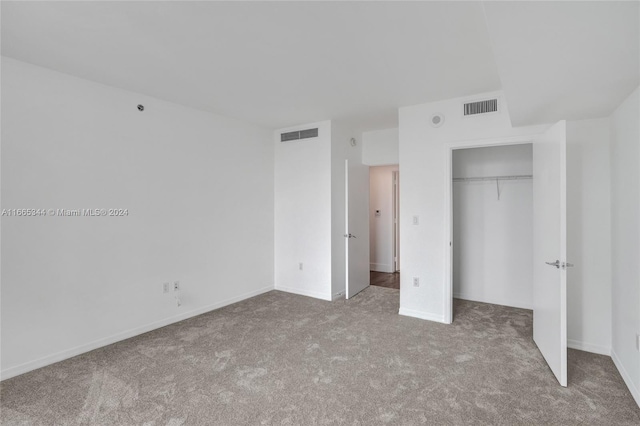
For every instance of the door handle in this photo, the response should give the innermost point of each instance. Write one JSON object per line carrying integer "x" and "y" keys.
{"x": 349, "y": 236}
{"x": 556, "y": 264}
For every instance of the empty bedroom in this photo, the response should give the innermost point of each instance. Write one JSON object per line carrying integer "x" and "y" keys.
{"x": 358, "y": 213}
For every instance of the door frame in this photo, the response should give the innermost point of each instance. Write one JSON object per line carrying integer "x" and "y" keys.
{"x": 395, "y": 175}
{"x": 448, "y": 210}
{"x": 346, "y": 228}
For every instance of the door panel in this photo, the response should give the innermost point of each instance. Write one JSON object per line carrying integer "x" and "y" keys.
{"x": 357, "y": 227}
{"x": 549, "y": 246}
{"x": 396, "y": 221}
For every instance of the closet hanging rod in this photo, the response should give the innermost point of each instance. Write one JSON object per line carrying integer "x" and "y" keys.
{"x": 492, "y": 178}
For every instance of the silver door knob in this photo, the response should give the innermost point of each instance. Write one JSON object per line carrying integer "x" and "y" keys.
{"x": 556, "y": 264}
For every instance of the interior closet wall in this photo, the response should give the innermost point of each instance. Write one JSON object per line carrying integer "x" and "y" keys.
{"x": 493, "y": 235}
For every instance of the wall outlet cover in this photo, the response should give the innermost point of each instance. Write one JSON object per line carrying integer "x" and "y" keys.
{"x": 166, "y": 287}
{"x": 176, "y": 285}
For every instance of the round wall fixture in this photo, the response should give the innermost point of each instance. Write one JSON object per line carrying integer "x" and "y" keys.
{"x": 353, "y": 142}
{"x": 437, "y": 119}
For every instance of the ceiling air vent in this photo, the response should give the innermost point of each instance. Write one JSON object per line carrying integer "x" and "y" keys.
{"x": 481, "y": 107}
{"x": 298, "y": 134}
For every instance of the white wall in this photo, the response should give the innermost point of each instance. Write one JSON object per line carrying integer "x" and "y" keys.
{"x": 381, "y": 240}
{"x": 625, "y": 240}
{"x": 303, "y": 179}
{"x": 493, "y": 238}
{"x": 589, "y": 236}
{"x": 380, "y": 147}
{"x": 423, "y": 157}
{"x": 198, "y": 188}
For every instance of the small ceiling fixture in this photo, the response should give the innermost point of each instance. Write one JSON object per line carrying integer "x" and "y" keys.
{"x": 140, "y": 108}
{"x": 437, "y": 119}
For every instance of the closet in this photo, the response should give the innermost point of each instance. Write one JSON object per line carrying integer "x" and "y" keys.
{"x": 493, "y": 224}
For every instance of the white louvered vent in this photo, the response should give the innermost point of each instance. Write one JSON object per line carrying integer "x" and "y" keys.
{"x": 481, "y": 107}
{"x": 298, "y": 134}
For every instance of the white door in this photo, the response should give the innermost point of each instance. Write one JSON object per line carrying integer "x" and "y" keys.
{"x": 396, "y": 221}
{"x": 357, "y": 227}
{"x": 550, "y": 248}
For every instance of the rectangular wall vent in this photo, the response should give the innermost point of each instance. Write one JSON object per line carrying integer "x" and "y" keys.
{"x": 298, "y": 134}
{"x": 481, "y": 107}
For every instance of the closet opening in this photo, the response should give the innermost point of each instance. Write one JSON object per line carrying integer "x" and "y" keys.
{"x": 492, "y": 225}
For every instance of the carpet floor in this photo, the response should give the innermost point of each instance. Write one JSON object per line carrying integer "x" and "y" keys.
{"x": 280, "y": 358}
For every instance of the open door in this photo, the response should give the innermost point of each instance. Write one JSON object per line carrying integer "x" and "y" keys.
{"x": 357, "y": 227}
{"x": 550, "y": 248}
{"x": 396, "y": 221}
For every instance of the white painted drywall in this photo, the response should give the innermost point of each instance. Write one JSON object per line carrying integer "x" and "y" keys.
{"x": 423, "y": 159}
{"x": 625, "y": 239}
{"x": 303, "y": 179}
{"x": 493, "y": 238}
{"x": 589, "y": 236}
{"x": 380, "y": 147}
{"x": 381, "y": 240}
{"x": 199, "y": 192}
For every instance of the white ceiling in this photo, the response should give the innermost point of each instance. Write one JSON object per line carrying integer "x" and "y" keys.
{"x": 565, "y": 60}
{"x": 284, "y": 63}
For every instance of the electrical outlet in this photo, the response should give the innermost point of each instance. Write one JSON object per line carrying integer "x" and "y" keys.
{"x": 176, "y": 286}
{"x": 416, "y": 220}
{"x": 300, "y": 266}
{"x": 416, "y": 282}
{"x": 166, "y": 287}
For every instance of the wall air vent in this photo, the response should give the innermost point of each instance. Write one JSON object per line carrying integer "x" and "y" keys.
{"x": 481, "y": 107}
{"x": 298, "y": 134}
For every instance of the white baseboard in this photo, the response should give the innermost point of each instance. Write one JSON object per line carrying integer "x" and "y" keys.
{"x": 422, "y": 315}
{"x": 588, "y": 347}
{"x": 309, "y": 293}
{"x": 69, "y": 353}
{"x": 381, "y": 267}
{"x": 502, "y": 302}
{"x": 626, "y": 377}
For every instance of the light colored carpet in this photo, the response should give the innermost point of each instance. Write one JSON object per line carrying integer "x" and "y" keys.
{"x": 279, "y": 358}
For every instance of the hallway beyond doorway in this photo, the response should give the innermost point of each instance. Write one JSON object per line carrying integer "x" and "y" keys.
{"x": 384, "y": 279}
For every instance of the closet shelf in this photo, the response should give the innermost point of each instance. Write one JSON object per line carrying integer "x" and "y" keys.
{"x": 492, "y": 178}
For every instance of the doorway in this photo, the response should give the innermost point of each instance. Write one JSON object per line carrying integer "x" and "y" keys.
{"x": 492, "y": 210}
{"x": 549, "y": 247}
{"x": 384, "y": 235}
